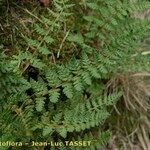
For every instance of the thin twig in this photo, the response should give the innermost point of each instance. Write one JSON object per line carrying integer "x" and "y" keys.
{"x": 62, "y": 43}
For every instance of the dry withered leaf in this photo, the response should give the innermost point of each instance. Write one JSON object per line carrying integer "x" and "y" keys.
{"x": 46, "y": 3}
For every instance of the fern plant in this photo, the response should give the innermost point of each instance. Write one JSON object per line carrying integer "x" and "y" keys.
{"x": 58, "y": 82}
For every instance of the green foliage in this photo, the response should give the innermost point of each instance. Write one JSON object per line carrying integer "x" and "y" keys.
{"x": 1, "y": 2}
{"x": 54, "y": 87}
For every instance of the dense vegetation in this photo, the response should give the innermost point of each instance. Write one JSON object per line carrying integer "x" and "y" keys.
{"x": 65, "y": 69}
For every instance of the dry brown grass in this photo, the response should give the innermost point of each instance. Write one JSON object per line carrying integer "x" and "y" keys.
{"x": 132, "y": 122}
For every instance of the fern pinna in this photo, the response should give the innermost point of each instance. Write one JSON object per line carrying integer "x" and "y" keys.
{"x": 56, "y": 88}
